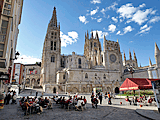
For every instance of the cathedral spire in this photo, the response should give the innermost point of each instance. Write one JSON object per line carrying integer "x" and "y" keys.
{"x": 156, "y": 49}
{"x": 150, "y": 63}
{"x": 130, "y": 56}
{"x": 135, "y": 59}
{"x": 53, "y": 21}
{"x": 97, "y": 35}
{"x": 117, "y": 40}
{"x": 92, "y": 34}
{"x": 124, "y": 55}
{"x": 87, "y": 34}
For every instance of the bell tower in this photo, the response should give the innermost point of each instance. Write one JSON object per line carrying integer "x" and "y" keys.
{"x": 51, "y": 51}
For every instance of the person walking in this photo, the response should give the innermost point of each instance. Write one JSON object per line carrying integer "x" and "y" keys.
{"x": 36, "y": 93}
{"x": 109, "y": 99}
{"x": 100, "y": 98}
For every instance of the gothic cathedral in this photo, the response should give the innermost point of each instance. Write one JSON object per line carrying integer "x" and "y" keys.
{"x": 73, "y": 73}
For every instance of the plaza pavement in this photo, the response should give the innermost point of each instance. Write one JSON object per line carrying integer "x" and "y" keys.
{"x": 103, "y": 112}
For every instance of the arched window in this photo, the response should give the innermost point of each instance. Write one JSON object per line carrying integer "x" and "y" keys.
{"x": 51, "y": 45}
{"x": 102, "y": 59}
{"x": 86, "y": 75}
{"x": 133, "y": 64}
{"x": 52, "y": 33}
{"x": 95, "y": 74}
{"x": 104, "y": 76}
{"x": 96, "y": 51}
{"x": 52, "y": 58}
{"x": 79, "y": 61}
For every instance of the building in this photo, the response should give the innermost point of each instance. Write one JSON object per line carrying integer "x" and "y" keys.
{"x": 19, "y": 73}
{"x": 32, "y": 74}
{"x": 104, "y": 70}
{"x": 10, "y": 18}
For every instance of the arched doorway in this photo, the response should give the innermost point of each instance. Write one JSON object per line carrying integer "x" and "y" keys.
{"x": 116, "y": 90}
{"x": 54, "y": 90}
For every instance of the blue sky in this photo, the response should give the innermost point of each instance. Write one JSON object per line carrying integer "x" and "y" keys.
{"x": 135, "y": 24}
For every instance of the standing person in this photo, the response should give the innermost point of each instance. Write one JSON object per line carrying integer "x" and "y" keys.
{"x": 109, "y": 98}
{"x": 105, "y": 95}
{"x": 92, "y": 97}
{"x": 8, "y": 97}
{"x": 100, "y": 98}
{"x": 36, "y": 93}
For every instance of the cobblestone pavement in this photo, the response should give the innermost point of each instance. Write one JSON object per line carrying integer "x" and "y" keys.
{"x": 14, "y": 112}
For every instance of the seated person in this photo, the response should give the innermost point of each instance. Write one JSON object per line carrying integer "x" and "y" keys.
{"x": 127, "y": 99}
{"x": 74, "y": 100}
{"x": 149, "y": 99}
{"x": 62, "y": 102}
{"x": 144, "y": 97}
{"x": 68, "y": 101}
{"x": 58, "y": 100}
{"x": 84, "y": 99}
{"x": 140, "y": 98}
{"x": 46, "y": 100}
{"x": 79, "y": 104}
{"x": 23, "y": 99}
{"x": 27, "y": 105}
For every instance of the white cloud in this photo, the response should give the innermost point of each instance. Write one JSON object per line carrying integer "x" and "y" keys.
{"x": 126, "y": 11}
{"x": 95, "y": 1}
{"x": 108, "y": 16}
{"x": 127, "y": 29}
{"x": 143, "y": 5}
{"x": 112, "y": 6}
{"x": 83, "y": 19}
{"x": 145, "y": 26}
{"x": 141, "y": 16}
{"x": 154, "y": 19}
{"x": 93, "y": 18}
{"x": 153, "y": 12}
{"x": 100, "y": 34}
{"x": 112, "y": 28}
{"x": 94, "y": 11}
{"x": 103, "y": 11}
{"x": 27, "y": 59}
{"x": 73, "y": 34}
{"x": 114, "y": 19}
{"x": 144, "y": 30}
{"x": 68, "y": 39}
{"x": 134, "y": 14}
{"x": 99, "y": 20}
{"x": 121, "y": 20}
{"x": 118, "y": 33}
{"x": 130, "y": 41}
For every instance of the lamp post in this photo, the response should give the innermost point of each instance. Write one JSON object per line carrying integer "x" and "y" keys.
{"x": 131, "y": 70}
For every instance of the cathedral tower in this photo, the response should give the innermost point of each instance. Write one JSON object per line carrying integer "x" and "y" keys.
{"x": 92, "y": 49}
{"x": 51, "y": 51}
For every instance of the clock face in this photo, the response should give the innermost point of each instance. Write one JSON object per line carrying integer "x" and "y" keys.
{"x": 113, "y": 58}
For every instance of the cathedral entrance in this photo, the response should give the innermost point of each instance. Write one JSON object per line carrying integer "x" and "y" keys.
{"x": 116, "y": 90}
{"x": 54, "y": 90}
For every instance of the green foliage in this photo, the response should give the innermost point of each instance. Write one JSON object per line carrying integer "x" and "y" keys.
{"x": 142, "y": 92}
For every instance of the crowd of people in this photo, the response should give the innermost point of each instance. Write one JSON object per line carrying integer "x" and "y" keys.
{"x": 75, "y": 101}
{"x": 35, "y": 105}
{"x": 10, "y": 97}
{"x": 140, "y": 99}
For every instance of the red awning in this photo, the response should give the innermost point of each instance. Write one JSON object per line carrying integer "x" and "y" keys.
{"x": 137, "y": 83}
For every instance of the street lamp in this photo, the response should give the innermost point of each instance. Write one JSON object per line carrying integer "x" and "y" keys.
{"x": 131, "y": 70}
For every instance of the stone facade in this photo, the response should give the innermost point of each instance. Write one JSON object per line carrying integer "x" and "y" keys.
{"x": 32, "y": 75}
{"x": 95, "y": 69}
